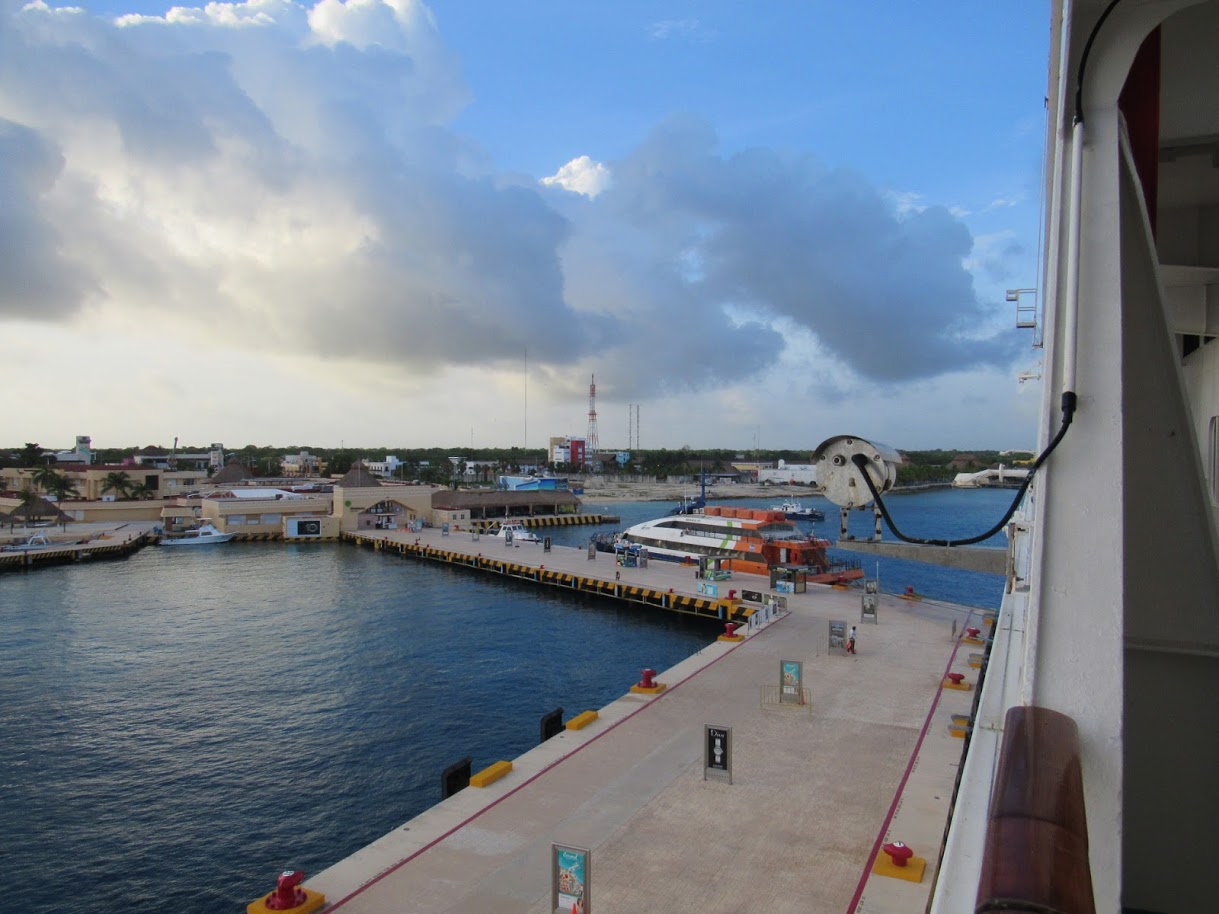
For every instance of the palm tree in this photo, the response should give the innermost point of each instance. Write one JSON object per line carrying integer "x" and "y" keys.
{"x": 141, "y": 491}
{"x": 61, "y": 487}
{"x": 46, "y": 477}
{"x": 118, "y": 482}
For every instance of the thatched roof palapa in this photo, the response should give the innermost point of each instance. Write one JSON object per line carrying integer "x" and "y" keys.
{"x": 39, "y": 508}
{"x": 358, "y": 477}
{"x": 232, "y": 472}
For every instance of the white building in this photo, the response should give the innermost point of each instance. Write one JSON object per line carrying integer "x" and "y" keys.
{"x": 384, "y": 468}
{"x": 804, "y": 474}
{"x": 82, "y": 453}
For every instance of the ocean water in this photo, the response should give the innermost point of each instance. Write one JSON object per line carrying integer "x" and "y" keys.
{"x": 177, "y": 728}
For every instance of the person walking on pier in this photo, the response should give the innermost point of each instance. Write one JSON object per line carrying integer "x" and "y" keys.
{"x": 851, "y": 641}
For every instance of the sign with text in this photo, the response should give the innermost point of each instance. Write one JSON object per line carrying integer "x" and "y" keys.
{"x": 791, "y": 681}
{"x": 569, "y": 869}
{"x": 751, "y": 596}
{"x": 838, "y": 636}
{"x": 717, "y": 753}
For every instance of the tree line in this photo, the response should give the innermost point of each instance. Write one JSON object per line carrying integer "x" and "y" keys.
{"x": 441, "y": 465}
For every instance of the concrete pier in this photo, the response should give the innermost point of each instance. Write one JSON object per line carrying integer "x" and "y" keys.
{"x": 816, "y": 788}
{"x": 86, "y": 542}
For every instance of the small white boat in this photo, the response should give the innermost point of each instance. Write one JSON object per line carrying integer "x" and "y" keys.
{"x": 36, "y": 541}
{"x": 203, "y": 535}
{"x": 520, "y": 533}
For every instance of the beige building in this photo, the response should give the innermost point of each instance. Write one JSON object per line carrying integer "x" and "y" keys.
{"x": 363, "y": 502}
{"x": 90, "y": 480}
{"x": 258, "y": 514}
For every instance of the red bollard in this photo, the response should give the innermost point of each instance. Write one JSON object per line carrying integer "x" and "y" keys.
{"x": 731, "y": 596}
{"x": 973, "y": 632}
{"x": 899, "y": 853}
{"x": 730, "y": 629}
{"x": 648, "y": 675}
{"x": 956, "y": 678}
{"x": 287, "y": 894}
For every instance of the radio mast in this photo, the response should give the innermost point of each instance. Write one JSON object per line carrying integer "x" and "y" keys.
{"x": 590, "y": 440}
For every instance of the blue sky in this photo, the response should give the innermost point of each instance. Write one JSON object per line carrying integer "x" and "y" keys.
{"x": 430, "y": 224}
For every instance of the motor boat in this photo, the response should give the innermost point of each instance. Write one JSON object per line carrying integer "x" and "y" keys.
{"x": 203, "y": 535}
{"x": 520, "y": 533}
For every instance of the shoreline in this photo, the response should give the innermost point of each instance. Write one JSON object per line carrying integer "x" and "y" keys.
{"x": 600, "y": 490}
{"x": 605, "y": 491}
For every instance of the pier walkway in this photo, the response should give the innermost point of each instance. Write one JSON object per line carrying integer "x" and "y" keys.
{"x": 85, "y": 542}
{"x": 815, "y": 790}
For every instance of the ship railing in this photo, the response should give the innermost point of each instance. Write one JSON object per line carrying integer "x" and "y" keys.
{"x": 1036, "y": 853}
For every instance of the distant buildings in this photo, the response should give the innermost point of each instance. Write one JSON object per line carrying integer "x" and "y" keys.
{"x": 567, "y": 451}
{"x": 82, "y": 453}
{"x": 785, "y": 473}
{"x": 212, "y": 458}
{"x": 302, "y": 464}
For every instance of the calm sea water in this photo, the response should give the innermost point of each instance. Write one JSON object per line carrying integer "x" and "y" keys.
{"x": 177, "y": 728}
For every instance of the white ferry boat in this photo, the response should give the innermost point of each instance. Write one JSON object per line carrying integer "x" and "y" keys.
{"x": 756, "y": 540}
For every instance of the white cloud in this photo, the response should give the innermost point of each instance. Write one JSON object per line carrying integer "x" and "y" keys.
{"x": 581, "y": 176}
{"x": 283, "y": 187}
{"x": 689, "y": 29}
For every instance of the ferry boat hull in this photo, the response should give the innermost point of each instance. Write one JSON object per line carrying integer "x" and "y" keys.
{"x": 752, "y": 541}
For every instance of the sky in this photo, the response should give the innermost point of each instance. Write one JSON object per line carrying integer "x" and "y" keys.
{"x": 385, "y": 222}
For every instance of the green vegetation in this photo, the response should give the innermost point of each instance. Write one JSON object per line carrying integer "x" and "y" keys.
{"x": 435, "y": 464}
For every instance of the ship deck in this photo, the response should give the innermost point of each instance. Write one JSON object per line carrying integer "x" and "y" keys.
{"x": 815, "y": 790}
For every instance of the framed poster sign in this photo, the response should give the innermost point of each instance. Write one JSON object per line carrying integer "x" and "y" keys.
{"x": 569, "y": 870}
{"x": 791, "y": 681}
{"x": 717, "y": 752}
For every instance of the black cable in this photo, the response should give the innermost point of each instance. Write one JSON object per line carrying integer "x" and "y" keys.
{"x": 1068, "y": 413}
{"x": 1068, "y": 397}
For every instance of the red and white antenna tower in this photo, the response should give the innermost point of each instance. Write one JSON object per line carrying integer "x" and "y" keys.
{"x": 590, "y": 440}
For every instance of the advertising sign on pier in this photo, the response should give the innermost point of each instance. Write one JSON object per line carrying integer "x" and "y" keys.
{"x": 569, "y": 878}
{"x": 791, "y": 681}
{"x": 717, "y": 752}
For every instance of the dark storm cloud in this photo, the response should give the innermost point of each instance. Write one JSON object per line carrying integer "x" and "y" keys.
{"x": 38, "y": 281}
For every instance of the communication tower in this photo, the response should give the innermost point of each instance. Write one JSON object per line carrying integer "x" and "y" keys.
{"x": 590, "y": 440}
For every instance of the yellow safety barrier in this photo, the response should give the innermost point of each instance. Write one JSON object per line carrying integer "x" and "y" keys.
{"x": 490, "y": 774}
{"x": 580, "y": 721}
